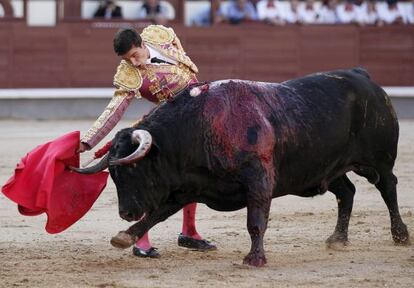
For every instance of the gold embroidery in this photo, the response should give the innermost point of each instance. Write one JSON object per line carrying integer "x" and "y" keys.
{"x": 119, "y": 96}
{"x": 127, "y": 77}
{"x": 167, "y": 80}
{"x": 173, "y": 53}
{"x": 158, "y": 35}
{"x": 177, "y": 42}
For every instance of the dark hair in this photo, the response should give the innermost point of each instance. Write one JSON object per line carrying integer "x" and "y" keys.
{"x": 124, "y": 40}
{"x": 149, "y": 10}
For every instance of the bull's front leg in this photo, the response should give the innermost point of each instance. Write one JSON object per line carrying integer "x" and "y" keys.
{"x": 125, "y": 239}
{"x": 260, "y": 183}
{"x": 257, "y": 218}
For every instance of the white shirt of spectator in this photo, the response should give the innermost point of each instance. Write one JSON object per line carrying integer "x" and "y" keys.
{"x": 407, "y": 11}
{"x": 264, "y": 12}
{"x": 409, "y": 18}
{"x": 142, "y": 13}
{"x": 108, "y": 13}
{"x": 307, "y": 16}
{"x": 389, "y": 16}
{"x": 370, "y": 18}
{"x": 346, "y": 16}
{"x": 361, "y": 12}
{"x": 326, "y": 15}
{"x": 363, "y": 16}
{"x": 155, "y": 53}
{"x": 289, "y": 15}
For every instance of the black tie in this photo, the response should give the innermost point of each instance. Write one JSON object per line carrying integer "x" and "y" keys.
{"x": 157, "y": 60}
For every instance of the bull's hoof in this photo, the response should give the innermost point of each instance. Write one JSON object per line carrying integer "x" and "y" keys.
{"x": 400, "y": 235}
{"x": 255, "y": 260}
{"x": 337, "y": 241}
{"x": 123, "y": 240}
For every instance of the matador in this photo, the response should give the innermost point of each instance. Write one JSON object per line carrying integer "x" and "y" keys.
{"x": 154, "y": 66}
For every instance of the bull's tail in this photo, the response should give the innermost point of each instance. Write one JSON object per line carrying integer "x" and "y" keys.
{"x": 361, "y": 71}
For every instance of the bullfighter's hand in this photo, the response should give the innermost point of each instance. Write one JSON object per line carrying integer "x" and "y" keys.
{"x": 82, "y": 147}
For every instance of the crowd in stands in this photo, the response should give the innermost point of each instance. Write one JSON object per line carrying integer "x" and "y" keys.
{"x": 280, "y": 12}
{"x": 152, "y": 10}
{"x": 276, "y": 12}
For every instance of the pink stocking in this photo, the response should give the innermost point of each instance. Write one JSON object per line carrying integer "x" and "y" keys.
{"x": 189, "y": 228}
{"x": 143, "y": 242}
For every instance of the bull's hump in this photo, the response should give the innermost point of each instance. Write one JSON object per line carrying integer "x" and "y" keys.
{"x": 219, "y": 83}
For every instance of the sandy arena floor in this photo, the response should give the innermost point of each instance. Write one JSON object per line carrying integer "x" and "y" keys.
{"x": 297, "y": 257}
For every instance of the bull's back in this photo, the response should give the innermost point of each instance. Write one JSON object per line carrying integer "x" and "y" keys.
{"x": 347, "y": 120}
{"x": 345, "y": 101}
{"x": 312, "y": 126}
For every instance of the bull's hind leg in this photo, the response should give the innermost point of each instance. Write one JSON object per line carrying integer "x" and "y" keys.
{"x": 387, "y": 185}
{"x": 344, "y": 191}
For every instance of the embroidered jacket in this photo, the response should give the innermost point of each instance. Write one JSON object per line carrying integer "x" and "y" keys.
{"x": 154, "y": 82}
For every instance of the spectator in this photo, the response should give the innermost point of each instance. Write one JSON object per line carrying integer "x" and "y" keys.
{"x": 307, "y": 13}
{"x": 240, "y": 11}
{"x": 408, "y": 12}
{"x": 327, "y": 12}
{"x": 219, "y": 15}
{"x": 154, "y": 11}
{"x": 360, "y": 9}
{"x": 391, "y": 14}
{"x": 366, "y": 13}
{"x": 290, "y": 15}
{"x": 108, "y": 10}
{"x": 270, "y": 12}
{"x": 346, "y": 12}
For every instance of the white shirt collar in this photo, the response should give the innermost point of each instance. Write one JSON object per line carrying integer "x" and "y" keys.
{"x": 154, "y": 53}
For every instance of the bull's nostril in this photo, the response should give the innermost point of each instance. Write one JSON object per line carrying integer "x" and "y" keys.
{"x": 125, "y": 215}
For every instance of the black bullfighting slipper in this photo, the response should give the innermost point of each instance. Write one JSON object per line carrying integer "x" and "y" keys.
{"x": 199, "y": 245}
{"x": 150, "y": 253}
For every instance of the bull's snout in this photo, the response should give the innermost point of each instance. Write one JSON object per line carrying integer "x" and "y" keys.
{"x": 127, "y": 215}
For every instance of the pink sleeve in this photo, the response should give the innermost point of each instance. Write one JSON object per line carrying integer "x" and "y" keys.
{"x": 108, "y": 119}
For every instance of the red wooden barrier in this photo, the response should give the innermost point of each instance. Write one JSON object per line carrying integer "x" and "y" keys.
{"x": 79, "y": 54}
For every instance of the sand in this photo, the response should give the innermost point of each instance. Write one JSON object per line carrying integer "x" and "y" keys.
{"x": 294, "y": 242}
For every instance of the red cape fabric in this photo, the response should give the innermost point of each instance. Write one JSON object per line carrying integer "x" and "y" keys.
{"x": 42, "y": 183}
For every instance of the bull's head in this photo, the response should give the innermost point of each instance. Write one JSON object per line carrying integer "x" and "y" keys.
{"x": 131, "y": 173}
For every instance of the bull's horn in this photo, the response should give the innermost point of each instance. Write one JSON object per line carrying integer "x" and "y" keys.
{"x": 101, "y": 165}
{"x": 144, "y": 139}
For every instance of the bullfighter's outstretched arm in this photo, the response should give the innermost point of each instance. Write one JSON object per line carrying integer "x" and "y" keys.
{"x": 109, "y": 118}
{"x": 127, "y": 80}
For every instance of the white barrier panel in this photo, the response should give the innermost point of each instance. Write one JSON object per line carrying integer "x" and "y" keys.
{"x": 41, "y": 13}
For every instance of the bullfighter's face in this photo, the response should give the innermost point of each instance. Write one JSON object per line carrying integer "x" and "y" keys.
{"x": 137, "y": 56}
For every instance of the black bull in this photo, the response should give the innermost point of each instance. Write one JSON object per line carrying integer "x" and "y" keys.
{"x": 236, "y": 144}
